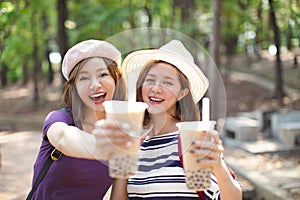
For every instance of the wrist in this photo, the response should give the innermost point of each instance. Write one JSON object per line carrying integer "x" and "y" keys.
{"x": 221, "y": 170}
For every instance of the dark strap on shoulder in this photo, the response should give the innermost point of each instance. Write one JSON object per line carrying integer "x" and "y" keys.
{"x": 55, "y": 155}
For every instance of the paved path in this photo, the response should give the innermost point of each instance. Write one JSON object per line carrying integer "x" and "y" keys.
{"x": 18, "y": 153}
{"x": 273, "y": 176}
{"x": 19, "y": 150}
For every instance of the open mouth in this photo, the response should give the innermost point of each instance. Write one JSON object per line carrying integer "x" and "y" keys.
{"x": 155, "y": 100}
{"x": 98, "y": 97}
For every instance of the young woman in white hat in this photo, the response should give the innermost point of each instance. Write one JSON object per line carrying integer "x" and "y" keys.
{"x": 91, "y": 69}
{"x": 171, "y": 84}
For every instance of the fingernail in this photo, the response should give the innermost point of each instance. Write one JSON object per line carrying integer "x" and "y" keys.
{"x": 99, "y": 123}
{"x": 129, "y": 143}
{"x": 220, "y": 147}
{"x": 125, "y": 126}
{"x": 132, "y": 133}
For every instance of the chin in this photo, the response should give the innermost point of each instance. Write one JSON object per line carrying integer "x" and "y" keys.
{"x": 156, "y": 110}
{"x": 99, "y": 108}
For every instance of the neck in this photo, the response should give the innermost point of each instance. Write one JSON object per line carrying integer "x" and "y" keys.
{"x": 163, "y": 124}
{"x": 91, "y": 116}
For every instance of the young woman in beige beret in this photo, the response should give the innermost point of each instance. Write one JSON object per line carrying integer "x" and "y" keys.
{"x": 91, "y": 69}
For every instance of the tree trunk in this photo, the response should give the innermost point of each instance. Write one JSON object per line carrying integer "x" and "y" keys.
{"x": 3, "y": 75}
{"x": 279, "y": 93}
{"x": 37, "y": 64}
{"x": 216, "y": 86}
{"x": 148, "y": 12}
{"x": 289, "y": 37}
{"x": 50, "y": 74}
{"x": 258, "y": 32}
{"x": 62, "y": 38}
{"x": 36, "y": 72}
{"x": 215, "y": 43}
{"x": 187, "y": 8}
{"x": 25, "y": 77}
{"x": 50, "y": 69}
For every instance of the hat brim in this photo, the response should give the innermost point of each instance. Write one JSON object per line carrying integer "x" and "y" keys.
{"x": 134, "y": 62}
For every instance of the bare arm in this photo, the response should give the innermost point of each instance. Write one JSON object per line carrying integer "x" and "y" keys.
{"x": 119, "y": 190}
{"x": 229, "y": 188}
{"x": 106, "y": 138}
{"x": 72, "y": 141}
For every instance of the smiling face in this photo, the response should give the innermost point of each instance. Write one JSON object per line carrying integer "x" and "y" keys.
{"x": 161, "y": 89}
{"x": 94, "y": 84}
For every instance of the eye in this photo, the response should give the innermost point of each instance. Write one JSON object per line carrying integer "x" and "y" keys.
{"x": 168, "y": 83}
{"x": 149, "y": 80}
{"x": 82, "y": 78}
{"x": 103, "y": 74}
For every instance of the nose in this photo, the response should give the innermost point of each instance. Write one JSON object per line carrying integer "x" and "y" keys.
{"x": 156, "y": 88}
{"x": 95, "y": 83}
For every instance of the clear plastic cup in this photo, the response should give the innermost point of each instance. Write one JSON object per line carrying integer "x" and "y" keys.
{"x": 197, "y": 178}
{"x": 123, "y": 163}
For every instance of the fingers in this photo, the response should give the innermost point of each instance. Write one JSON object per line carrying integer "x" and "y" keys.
{"x": 111, "y": 126}
{"x": 208, "y": 145}
{"x": 208, "y": 150}
{"x": 112, "y": 137}
{"x": 114, "y": 131}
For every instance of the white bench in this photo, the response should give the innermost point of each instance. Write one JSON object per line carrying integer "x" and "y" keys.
{"x": 288, "y": 132}
{"x": 281, "y": 118}
{"x": 243, "y": 128}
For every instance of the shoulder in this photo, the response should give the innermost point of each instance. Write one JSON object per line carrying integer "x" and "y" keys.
{"x": 61, "y": 115}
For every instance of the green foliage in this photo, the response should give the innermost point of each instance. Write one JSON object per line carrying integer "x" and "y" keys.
{"x": 23, "y": 22}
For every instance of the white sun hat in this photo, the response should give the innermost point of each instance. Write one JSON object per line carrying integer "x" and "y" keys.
{"x": 88, "y": 49}
{"x": 176, "y": 54}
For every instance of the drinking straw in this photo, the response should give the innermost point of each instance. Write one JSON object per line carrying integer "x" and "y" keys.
{"x": 205, "y": 109}
{"x": 131, "y": 91}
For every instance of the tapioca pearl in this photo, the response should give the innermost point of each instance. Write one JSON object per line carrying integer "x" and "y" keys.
{"x": 190, "y": 184}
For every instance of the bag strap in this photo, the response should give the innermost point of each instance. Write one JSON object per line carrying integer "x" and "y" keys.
{"x": 55, "y": 155}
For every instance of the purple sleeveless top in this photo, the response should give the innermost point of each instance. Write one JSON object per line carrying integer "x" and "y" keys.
{"x": 68, "y": 177}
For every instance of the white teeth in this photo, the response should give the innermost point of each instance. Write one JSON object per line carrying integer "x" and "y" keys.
{"x": 155, "y": 99}
{"x": 97, "y": 95}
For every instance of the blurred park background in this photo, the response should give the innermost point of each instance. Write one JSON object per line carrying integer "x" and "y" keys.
{"x": 254, "y": 44}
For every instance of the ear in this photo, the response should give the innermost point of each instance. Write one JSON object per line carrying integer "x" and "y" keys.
{"x": 183, "y": 93}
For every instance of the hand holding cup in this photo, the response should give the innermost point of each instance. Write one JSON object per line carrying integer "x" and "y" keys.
{"x": 111, "y": 137}
{"x": 208, "y": 152}
{"x": 123, "y": 163}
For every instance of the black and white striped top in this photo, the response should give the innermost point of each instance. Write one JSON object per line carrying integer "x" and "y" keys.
{"x": 160, "y": 174}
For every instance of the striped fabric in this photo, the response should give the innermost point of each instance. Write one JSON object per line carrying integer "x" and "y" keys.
{"x": 160, "y": 174}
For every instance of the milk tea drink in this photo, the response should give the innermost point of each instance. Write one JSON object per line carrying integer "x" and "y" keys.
{"x": 197, "y": 178}
{"x": 123, "y": 163}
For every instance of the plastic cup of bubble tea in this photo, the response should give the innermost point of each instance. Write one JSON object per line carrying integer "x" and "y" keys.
{"x": 123, "y": 163}
{"x": 197, "y": 178}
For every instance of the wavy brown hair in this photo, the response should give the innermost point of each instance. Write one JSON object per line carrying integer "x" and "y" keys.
{"x": 71, "y": 99}
{"x": 186, "y": 108}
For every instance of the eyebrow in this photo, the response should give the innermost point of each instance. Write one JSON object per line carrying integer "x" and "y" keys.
{"x": 166, "y": 77}
{"x": 98, "y": 70}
